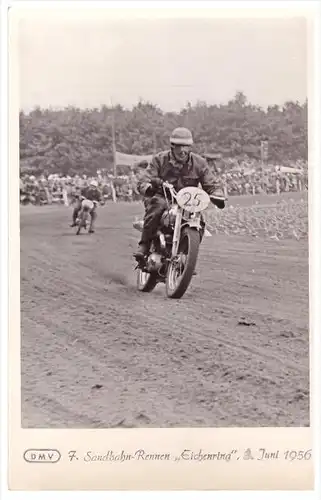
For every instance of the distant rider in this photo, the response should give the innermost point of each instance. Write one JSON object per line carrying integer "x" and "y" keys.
{"x": 91, "y": 193}
{"x": 181, "y": 168}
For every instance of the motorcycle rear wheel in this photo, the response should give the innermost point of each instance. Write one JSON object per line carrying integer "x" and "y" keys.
{"x": 146, "y": 282}
{"x": 82, "y": 221}
{"x": 178, "y": 279}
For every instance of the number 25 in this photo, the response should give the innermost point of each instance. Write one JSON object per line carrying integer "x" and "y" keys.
{"x": 197, "y": 198}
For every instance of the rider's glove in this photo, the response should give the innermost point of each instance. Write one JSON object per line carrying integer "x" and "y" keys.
{"x": 156, "y": 183}
{"x": 149, "y": 191}
{"x": 154, "y": 187}
{"x": 218, "y": 201}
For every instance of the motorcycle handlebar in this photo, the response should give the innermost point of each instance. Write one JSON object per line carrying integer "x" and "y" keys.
{"x": 82, "y": 198}
{"x": 168, "y": 185}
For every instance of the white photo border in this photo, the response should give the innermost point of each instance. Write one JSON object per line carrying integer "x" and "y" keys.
{"x": 314, "y": 243}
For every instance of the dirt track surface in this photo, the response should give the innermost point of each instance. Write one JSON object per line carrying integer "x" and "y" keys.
{"x": 234, "y": 351}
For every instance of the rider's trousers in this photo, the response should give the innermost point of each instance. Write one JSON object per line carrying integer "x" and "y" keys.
{"x": 154, "y": 209}
{"x": 76, "y": 210}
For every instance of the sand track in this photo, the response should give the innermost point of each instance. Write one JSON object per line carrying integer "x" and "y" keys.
{"x": 233, "y": 351}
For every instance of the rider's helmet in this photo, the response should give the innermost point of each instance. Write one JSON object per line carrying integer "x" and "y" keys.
{"x": 94, "y": 183}
{"x": 181, "y": 137}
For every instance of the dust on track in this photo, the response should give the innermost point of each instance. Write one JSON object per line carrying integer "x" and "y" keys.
{"x": 95, "y": 352}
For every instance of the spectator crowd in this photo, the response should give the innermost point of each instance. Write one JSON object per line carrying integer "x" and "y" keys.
{"x": 245, "y": 178}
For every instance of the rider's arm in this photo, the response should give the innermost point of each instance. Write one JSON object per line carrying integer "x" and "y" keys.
{"x": 83, "y": 192}
{"x": 207, "y": 178}
{"x": 146, "y": 176}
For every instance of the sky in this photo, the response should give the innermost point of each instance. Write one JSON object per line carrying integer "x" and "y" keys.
{"x": 88, "y": 62}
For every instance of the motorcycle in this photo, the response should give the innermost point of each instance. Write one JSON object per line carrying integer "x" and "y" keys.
{"x": 174, "y": 251}
{"x": 83, "y": 217}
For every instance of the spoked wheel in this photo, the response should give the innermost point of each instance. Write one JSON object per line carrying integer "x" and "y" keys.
{"x": 180, "y": 271}
{"x": 146, "y": 282}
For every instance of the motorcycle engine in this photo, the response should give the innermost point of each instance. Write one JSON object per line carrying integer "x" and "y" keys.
{"x": 154, "y": 262}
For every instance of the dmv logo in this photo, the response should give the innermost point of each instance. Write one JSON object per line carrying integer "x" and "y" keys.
{"x": 43, "y": 456}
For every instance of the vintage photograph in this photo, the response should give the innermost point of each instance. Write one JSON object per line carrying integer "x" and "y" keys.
{"x": 163, "y": 221}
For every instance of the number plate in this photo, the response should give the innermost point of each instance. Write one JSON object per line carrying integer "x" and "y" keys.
{"x": 193, "y": 199}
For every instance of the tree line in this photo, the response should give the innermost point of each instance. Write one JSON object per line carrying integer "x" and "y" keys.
{"x": 72, "y": 140}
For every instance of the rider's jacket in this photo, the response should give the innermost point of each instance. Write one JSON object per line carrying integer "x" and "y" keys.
{"x": 91, "y": 193}
{"x": 165, "y": 167}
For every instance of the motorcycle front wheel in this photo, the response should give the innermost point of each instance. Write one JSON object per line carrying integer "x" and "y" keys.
{"x": 180, "y": 271}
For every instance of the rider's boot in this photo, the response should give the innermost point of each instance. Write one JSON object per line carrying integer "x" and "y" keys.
{"x": 91, "y": 227}
{"x": 142, "y": 251}
{"x": 74, "y": 218}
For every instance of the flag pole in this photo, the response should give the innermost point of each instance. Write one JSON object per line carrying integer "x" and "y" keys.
{"x": 113, "y": 138}
{"x": 154, "y": 142}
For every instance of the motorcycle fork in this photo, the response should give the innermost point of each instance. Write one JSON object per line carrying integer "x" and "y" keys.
{"x": 195, "y": 222}
{"x": 177, "y": 233}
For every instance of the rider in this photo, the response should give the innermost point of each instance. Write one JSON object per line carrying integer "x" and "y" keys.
{"x": 181, "y": 168}
{"x": 91, "y": 193}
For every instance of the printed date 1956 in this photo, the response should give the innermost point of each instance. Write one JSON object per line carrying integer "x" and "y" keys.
{"x": 291, "y": 455}
{"x": 297, "y": 454}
